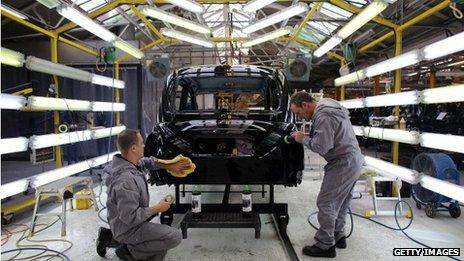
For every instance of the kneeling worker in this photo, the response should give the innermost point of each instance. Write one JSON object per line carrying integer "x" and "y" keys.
{"x": 332, "y": 137}
{"x": 128, "y": 207}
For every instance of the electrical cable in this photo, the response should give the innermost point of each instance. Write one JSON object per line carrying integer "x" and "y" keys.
{"x": 399, "y": 228}
{"x": 37, "y": 248}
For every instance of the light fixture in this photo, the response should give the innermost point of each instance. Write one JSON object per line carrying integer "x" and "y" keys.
{"x": 85, "y": 22}
{"x": 358, "y": 130}
{"x": 174, "y": 19}
{"x": 327, "y": 46}
{"x": 12, "y": 102}
{"x": 390, "y": 169}
{"x": 128, "y": 48}
{"x": 371, "y": 11}
{"x": 403, "y": 136}
{"x": 11, "y": 57}
{"x": 188, "y": 5}
{"x": 393, "y": 99}
{"x": 108, "y": 106}
{"x": 255, "y": 5}
{"x": 443, "y": 187}
{"x": 12, "y": 145}
{"x": 47, "y": 103}
{"x": 107, "y": 81}
{"x": 350, "y": 78}
{"x": 452, "y": 93}
{"x": 12, "y": 11}
{"x": 13, "y": 188}
{"x": 394, "y": 63}
{"x": 277, "y": 17}
{"x": 442, "y": 141}
{"x": 269, "y": 36}
{"x": 454, "y": 64}
{"x": 353, "y": 104}
{"x": 49, "y": 3}
{"x": 54, "y": 139}
{"x": 106, "y": 132}
{"x": 57, "y": 174}
{"x": 444, "y": 47}
{"x": 187, "y": 38}
{"x": 44, "y": 66}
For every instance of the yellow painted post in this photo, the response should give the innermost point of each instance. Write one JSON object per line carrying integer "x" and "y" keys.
{"x": 396, "y": 111}
{"x": 433, "y": 79}
{"x": 342, "y": 88}
{"x": 56, "y": 114}
{"x": 117, "y": 93}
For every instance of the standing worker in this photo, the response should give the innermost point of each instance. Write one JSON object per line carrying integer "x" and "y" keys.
{"x": 332, "y": 137}
{"x": 129, "y": 213}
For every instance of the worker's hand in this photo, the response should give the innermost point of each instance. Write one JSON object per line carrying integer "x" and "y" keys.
{"x": 179, "y": 166}
{"x": 298, "y": 136}
{"x": 161, "y": 207}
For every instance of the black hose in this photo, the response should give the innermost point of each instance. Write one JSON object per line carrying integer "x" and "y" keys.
{"x": 65, "y": 257}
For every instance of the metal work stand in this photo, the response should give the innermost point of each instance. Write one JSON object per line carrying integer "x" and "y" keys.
{"x": 62, "y": 189}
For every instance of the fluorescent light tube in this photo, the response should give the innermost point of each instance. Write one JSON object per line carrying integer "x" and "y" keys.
{"x": 107, "y": 81}
{"x": 188, "y": 5}
{"x": 186, "y": 38}
{"x": 13, "y": 188}
{"x": 49, "y": 3}
{"x": 327, "y": 46}
{"x": 128, "y": 48}
{"x": 85, "y": 22}
{"x": 108, "y": 106}
{"x": 442, "y": 141}
{"x": 255, "y": 5}
{"x": 106, "y": 132}
{"x": 13, "y": 12}
{"x": 44, "y": 66}
{"x": 174, "y": 19}
{"x": 11, "y": 57}
{"x": 444, "y": 47}
{"x": 12, "y": 145}
{"x": 54, "y": 139}
{"x": 403, "y": 136}
{"x": 358, "y": 130}
{"x": 394, "y": 63}
{"x": 371, "y": 11}
{"x": 452, "y": 93}
{"x": 390, "y": 169}
{"x": 277, "y": 17}
{"x": 394, "y": 99}
{"x": 12, "y": 102}
{"x": 46, "y": 103}
{"x": 443, "y": 187}
{"x": 269, "y": 36}
{"x": 350, "y": 78}
{"x": 352, "y": 104}
{"x": 57, "y": 174}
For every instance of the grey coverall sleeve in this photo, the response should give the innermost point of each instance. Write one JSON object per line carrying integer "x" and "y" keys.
{"x": 149, "y": 163}
{"x": 323, "y": 138}
{"x": 127, "y": 196}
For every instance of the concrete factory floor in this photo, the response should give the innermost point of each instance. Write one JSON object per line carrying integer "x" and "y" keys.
{"x": 368, "y": 242}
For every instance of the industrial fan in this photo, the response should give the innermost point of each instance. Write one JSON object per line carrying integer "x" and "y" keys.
{"x": 157, "y": 68}
{"x": 440, "y": 166}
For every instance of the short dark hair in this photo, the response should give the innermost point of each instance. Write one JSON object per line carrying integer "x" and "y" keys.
{"x": 299, "y": 97}
{"x": 126, "y": 139}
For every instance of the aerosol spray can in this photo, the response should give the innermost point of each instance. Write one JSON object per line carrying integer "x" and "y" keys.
{"x": 246, "y": 201}
{"x": 196, "y": 202}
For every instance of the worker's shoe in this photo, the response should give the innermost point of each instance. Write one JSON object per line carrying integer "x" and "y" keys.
{"x": 122, "y": 252}
{"x": 341, "y": 243}
{"x": 319, "y": 252}
{"x": 103, "y": 240}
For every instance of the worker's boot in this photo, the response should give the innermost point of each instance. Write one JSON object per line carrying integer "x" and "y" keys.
{"x": 319, "y": 252}
{"x": 104, "y": 240}
{"x": 341, "y": 243}
{"x": 122, "y": 252}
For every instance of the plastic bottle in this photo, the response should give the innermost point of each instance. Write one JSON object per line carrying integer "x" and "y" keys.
{"x": 196, "y": 202}
{"x": 246, "y": 201}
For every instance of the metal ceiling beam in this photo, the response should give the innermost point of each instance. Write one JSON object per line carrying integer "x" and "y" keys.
{"x": 150, "y": 26}
{"x": 308, "y": 16}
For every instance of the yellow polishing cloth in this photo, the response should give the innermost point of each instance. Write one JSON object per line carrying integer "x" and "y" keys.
{"x": 181, "y": 174}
